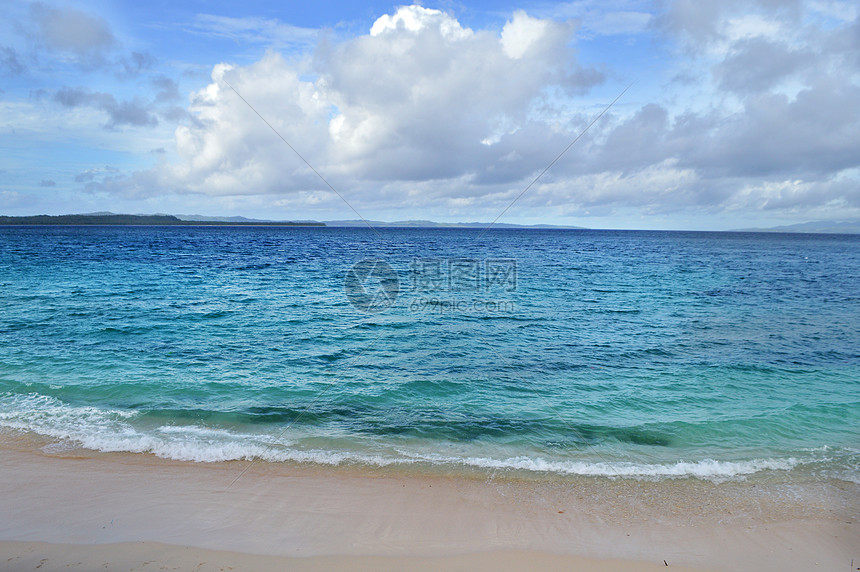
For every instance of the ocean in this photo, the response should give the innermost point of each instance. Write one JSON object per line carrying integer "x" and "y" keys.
{"x": 546, "y": 353}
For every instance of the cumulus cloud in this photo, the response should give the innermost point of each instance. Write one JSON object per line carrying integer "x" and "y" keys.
{"x": 812, "y": 134}
{"x": 757, "y": 64}
{"x": 420, "y": 97}
{"x": 424, "y": 113}
{"x": 785, "y": 123}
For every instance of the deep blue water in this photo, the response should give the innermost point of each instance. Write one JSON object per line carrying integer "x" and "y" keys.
{"x": 644, "y": 354}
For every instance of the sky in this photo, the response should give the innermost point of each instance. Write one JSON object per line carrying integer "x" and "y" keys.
{"x": 736, "y": 114}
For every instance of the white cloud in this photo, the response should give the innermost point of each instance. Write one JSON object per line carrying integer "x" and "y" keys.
{"x": 423, "y": 115}
{"x": 418, "y": 98}
{"x": 230, "y": 151}
{"x": 522, "y": 33}
{"x": 416, "y": 18}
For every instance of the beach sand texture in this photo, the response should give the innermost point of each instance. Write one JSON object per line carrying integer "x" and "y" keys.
{"x": 82, "y": 510}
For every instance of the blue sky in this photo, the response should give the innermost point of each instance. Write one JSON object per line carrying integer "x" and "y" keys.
{"x": 740, "y": 113}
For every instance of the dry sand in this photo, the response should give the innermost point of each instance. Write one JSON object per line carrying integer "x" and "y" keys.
{"x": 64, "y": 509}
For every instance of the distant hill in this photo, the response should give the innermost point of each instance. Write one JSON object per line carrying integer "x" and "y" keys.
{"x": 813, "y": 227}
{"x": 431, "y": 224}
{"x": 242, "y": 220}
{"x": 111, "y": 219}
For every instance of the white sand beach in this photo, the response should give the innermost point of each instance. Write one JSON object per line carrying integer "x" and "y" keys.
{"x": 73, "y": 509}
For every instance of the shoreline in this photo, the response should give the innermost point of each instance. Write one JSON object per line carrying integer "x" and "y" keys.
{"x": 96, "y": 501}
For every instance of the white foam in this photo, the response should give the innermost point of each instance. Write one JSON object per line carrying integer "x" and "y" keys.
{"x": 708, "y": 469}
{"x": 197, "y": 431}
{"x": 111, "y": 430}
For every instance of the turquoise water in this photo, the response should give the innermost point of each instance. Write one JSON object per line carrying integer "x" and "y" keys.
{"x": 625, "y": 354}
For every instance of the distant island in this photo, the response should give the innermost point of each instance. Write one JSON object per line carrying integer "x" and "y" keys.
{"x": 814, "y": 227}
{"x": 431, "y": 224}
{"x": 111, "y": 219}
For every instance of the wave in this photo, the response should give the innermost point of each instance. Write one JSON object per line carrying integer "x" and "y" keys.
{"x": 708, "y": 469}
{"x": 112, "y": 430}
